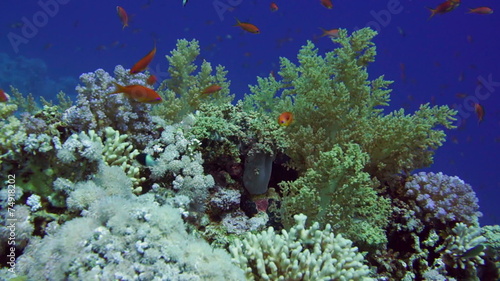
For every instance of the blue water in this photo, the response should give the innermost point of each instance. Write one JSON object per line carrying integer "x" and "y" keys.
{"x": 442, "y": 56}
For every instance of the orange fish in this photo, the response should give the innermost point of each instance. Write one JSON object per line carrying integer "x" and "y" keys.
{"x": 3, "y": 96}
{"x": 211, "y": 89}
{"x": 273, "y": 7}
{"x": 151, "y": 79}
{"x": 143, "y": 63}
{"x": 479, "y": 109}
{"x": 138, "y": 93}
{"x": 327, "y": 4}
{"x": 285, "y": 119}
{"x": 445, "y": 7}
{"x": 123, "y": 16}
{"x": 332, "y": 33}
{"x": 247, "y": 27}
{"x": 481, "y": 11}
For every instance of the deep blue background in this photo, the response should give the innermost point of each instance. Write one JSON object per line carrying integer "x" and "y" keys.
{"x": 83, "y": 36}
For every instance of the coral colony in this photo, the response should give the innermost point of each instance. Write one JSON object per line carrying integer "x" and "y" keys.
{"x": 201, "y": 187}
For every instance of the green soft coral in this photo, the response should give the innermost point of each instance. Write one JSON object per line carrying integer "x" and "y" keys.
{"x": 337, "y": 191}
{"x": 230, "y": 131}
{"x": 332, "y": 98}
{"x": 183, "y": 90}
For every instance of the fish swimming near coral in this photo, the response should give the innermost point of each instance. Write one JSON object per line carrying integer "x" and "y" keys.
{"x": 151, "y": 79}
{"x": 138, "y": 93}
{"x": 3, "y": 96}
{"x": 211, "y": 89}
{"x": 145, "y": 159}
{"x": 285, "y": 119}
{"x": 143, "y": 63}
{"x": 332, "y": 33}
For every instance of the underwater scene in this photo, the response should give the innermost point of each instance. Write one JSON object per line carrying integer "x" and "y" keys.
{"x": 233, "y": 140}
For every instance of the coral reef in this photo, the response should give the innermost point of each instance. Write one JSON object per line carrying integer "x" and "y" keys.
{"x": 96, "y": 110}
{"x": 183, "y": 91}
{"x": 444, "y": 198}
{"x": 333, "y": 100}
{"x": 299, "y": 254}
{"x": 113, "y": 189}
{"x": 125, "y": 237}
{"x": 337, "y": 191}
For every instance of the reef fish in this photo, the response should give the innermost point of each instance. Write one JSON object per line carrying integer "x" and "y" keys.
{"x": 151, "y": 79}
{"x": 327, "y": 4}
{"x": 143, "y": 63}
{"x": 3, "y": 96}
{"x": 138, "y": 93}
{"x": 332, "y": 33}
{"x": 479, "y": 109}
{"x": 273, "y": 6}
{"x": 145, "y": 159}
{"x": 211, "y": 89}
{"x": 445, "y": 7}
{"x": 247, "y": 27}
{"x": 285, "y": 119}
{"x": 123, "y": 16}
{"x": 481, "y": 11}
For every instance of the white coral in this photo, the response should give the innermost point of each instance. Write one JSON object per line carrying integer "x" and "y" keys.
{"x": 300, "y": 254}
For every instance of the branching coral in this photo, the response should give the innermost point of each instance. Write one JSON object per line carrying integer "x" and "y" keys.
{"x": 299, "y": 254}
{"x": 96, "y": 110}
{"x": 463, "y": 247}
{"x": 441, "y": 197}
{"x": 116, "y": 150}
{"x": 183, "y": 90}
{"x": 337, "y": 191}
{"x": 332, "y": 99}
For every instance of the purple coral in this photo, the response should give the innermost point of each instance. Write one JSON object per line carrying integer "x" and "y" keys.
{"x": 95, "y": 109}
{"x": 442, "y": 197}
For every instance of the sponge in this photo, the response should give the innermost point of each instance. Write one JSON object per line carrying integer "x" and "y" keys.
{"x": 258, "y": 168}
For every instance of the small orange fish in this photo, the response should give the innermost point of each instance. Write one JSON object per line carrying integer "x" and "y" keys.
{"x": 327, "y": 4}
{"x": 481, "y": 11}
{"x": 151, "y": 79}
{"x": 273, "y": 7}
{"x": 479, "y": 109}
{"x": 445, "y": 7}
{"x": 460, "y": 95}
{"x": 211, "y": 89}
{"x": 332, "y": 33}
{"x": 3, "y": 96}
{"x": 138, "y": 93}
{"x": 247, "y": 27}
{"x": 123, "y": 16}
{"x": 143, "y": 63}
{"x": 285, "y": 119}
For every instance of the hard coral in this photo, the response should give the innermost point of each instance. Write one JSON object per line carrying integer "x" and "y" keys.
{"x": 445, "y": 198}
{"x": 96, "y": 110}
{"x": 299, "y": 254}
